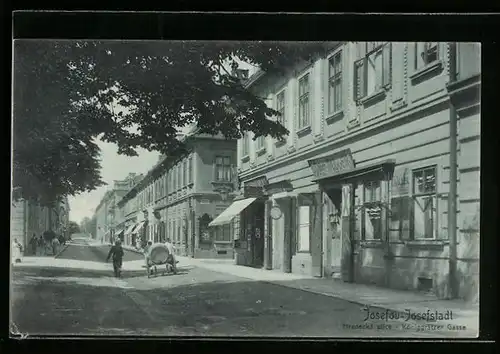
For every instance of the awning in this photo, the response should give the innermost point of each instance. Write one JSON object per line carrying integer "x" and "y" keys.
{"x": 130, "y": 228}
{"x": 138, "y": 227}
{"x": 234, "y": 209}
{"x": 119, "y": 231}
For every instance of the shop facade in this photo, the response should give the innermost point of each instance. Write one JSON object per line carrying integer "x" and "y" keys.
{"x": 359, "y": 190}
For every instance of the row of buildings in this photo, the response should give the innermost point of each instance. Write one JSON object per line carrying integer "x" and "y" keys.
{"x": 28, "y": 218}
{"x": 377, "y": 181}
{"x": 177, "y": 198}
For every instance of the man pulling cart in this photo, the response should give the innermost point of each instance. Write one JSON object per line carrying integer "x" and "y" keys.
{"x": 159, "y": 254}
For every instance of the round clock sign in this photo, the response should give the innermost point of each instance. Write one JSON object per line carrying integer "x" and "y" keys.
{"x": 275, "y": 212}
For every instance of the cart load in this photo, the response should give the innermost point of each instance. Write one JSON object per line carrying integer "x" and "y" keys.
{"x": 158, "y": 254}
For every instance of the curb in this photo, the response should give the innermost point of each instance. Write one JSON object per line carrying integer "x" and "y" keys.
{"x": 61, "y": 251}
{"x": 336, "y": 296}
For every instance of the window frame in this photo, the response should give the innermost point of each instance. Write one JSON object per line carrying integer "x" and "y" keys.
{"x": 360, "y": 71}
{"x": 245, "y": 145}
{"x": 372, "y": 203}
{"x": 337, "y": 76}
{"x": 306, "y": 95}
{"x": 190, "y": 169}
{"x": 224, "y": 168}
{"x": 435, "y": 203}
{"x": 428, "y": 46}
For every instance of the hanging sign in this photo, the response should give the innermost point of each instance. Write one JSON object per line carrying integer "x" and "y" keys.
{"x": 346, "y": 200}
{"x": 401, "y": 182}
{"x": 275, "y": 212}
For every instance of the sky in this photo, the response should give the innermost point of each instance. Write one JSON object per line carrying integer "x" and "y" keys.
{"x": 117, "y": 167}
{"x": 113, "y": 167}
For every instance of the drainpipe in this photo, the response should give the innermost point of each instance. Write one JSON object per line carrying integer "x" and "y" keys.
{"x": 452, "y": 199}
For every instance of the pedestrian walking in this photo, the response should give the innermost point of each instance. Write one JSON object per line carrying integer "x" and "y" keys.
{"x": 34, "y": 244}
{"x": 171, "y": 254}
{"x": 146, "y": 252}
{"x": 55, "y": 245}
{"x": 116, "y": 253}
{"x": 17, "y": 250}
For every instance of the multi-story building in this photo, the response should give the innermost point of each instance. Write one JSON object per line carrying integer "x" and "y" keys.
{"x": 179, "y": 197}
{"x": 108, "y": 217}
{"x": 375, "y": 183}
{"x": 29, "y": 218}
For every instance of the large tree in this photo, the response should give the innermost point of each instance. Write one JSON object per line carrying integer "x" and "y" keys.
{"x": 66, "y": 95}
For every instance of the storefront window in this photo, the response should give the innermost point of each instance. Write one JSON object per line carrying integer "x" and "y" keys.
{"x": 425, "y": 203}
{"x": 372, "y": 229}
{"x": 223, "y": 233}
{"x": 303, "y": 234}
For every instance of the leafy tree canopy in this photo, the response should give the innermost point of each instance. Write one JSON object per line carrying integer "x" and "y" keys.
{"x": 66, "y": 95}
{"x": 73, "y": 228}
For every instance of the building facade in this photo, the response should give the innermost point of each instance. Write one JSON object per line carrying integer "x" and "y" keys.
{"x": 109, "y": 218}
{"x": 360, "y": 189}
{"x": 29, "y": 218}
{"x": 178, "y": 198}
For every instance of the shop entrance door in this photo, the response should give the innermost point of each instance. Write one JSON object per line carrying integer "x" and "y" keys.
{"x": 258, "y": 234}
{"x": 334, "y": 231}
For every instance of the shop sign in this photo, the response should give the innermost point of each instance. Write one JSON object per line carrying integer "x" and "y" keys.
{"x": 258, "y": 182}
{"x": 346, "y": 200}
{"x": 334, "y": 164}
{"x": 401, "y": 182}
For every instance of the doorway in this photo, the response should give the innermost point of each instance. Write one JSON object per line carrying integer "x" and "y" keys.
{"x": 258, "y": 215}
{"x": 334, "y": 231}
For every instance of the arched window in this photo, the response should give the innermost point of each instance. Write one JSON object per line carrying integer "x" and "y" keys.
{"x": 204, "y": 220}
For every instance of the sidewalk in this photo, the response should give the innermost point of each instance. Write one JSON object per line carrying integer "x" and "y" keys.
{"x": 398, "y": 301}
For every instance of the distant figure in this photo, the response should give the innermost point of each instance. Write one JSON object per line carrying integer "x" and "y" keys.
{"x": 41, "y": 245}
{"x": 34, "y": 244}
{"x": 17, "y": 250}
{"x": 116, "y": 252}
{"x": 55, "y": 245}
{"x": 171, "y": 254}
{"x": 145, "y": 251}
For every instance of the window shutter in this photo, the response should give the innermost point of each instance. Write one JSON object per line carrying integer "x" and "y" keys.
{"x": 359, "y": 79}
{"x": 387, "y": 64}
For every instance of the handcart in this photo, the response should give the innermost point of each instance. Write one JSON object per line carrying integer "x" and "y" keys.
{"x": 158, "y": 256}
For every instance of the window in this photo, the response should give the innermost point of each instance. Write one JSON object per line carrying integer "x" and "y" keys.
{"x": 245, "y": 144}
{"x": 372, "y": 72}
{"x": 304, "y": 119}
{"x": 280, "y": 107}
{"x": 425, "y": 203}
{"x": 174, "y": 179}
{"x": 260, "y": 142}
{"x": 335, "y": 83}
{"x": 303, "y": 241}
{"x": 372, "y": 229}
{"x": 178, "y": 240}
{"x": 190, "y": 169}
{"x": 223, "y": 233}
{"x": 179, "y": 176}
{"x": 222, "y": 168}
{"x": 425, "y": 54}
{"x": 174, "y": 230}
{"x": 184, "y": 173}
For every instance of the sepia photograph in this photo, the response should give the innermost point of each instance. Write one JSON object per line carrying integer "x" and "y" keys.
{"x": 245, "y": 189}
